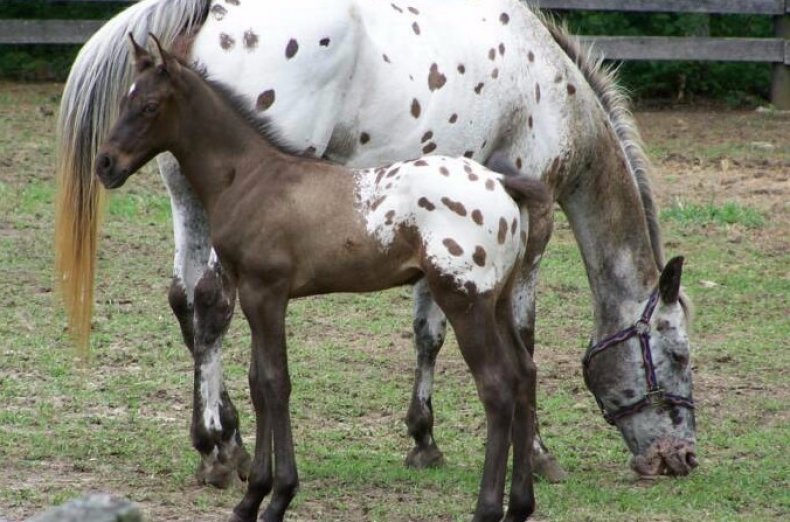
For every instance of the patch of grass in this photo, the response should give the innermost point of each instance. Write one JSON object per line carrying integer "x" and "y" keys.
{"x": 729, "y": 213}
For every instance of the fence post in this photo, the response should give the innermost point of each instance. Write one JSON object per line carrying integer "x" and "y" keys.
{"x": 780, "y": 81}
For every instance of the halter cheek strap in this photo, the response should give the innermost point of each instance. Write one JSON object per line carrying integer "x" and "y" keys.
{"x": 655, "y": 395}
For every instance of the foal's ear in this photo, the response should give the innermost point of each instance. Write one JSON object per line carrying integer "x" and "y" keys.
{"x": 142, "y": 58}
{"x": 669, "y": 283}
{"x": 167, "y": 62}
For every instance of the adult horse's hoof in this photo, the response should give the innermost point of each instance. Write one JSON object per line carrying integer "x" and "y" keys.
{"x": 236, "y": 518}
{"x": 421, "y": 458}
{"x": 546, "y": 467}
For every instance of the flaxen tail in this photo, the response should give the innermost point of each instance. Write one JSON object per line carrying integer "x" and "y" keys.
{"x": 98, "y": 79}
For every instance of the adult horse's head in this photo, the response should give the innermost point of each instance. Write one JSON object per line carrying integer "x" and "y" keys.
{"x": 641, "y": 378}
{"x": 144, "y": 128}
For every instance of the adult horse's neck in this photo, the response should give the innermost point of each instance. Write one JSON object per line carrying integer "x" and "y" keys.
{"x": 216, "y": 139}
{"x": 608, "y": 217}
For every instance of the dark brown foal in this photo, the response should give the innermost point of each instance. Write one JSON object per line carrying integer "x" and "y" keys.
{"x": 285, "y": 226}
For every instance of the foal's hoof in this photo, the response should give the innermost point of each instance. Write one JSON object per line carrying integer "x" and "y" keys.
{"x": 421, "y": 458}
{"x": 241, "y": 462}
{"x": 216, "y": 475}
{"x": 546, "y": 467}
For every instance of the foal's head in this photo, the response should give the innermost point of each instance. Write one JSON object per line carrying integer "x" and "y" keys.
{"x": 148, "y": 123}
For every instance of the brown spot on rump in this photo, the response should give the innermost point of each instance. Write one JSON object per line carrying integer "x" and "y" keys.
{"x": 513, "y": 227}
{"x": 455, "y": 206}
{"x": 379, "y": 175}
{"x": 398, "y": 9}
{"x": 436, "y": 80}
{"x": 495, "y": 73}
{"x": 504, "y": 18}
{"x": 453, "y": 118}
{"x": 416, "y": 28}
{"x": 518, "y": 163}
{"x": 250, "y": 40}
{"x": 393, "y": 172}
{"x": 420, "y": 163}
{"x": 413, "y": 10}
{"x": 232, "y": 2}
{"x": 537, "y": 93}
{"x": 467, "y": 168}
{"x": 389, "y": 215}
{"x": 531, "y": 56}
{"x": 423, "y": 202}
{"x": 427, "y": 136}
{"x": 502, "y": 234}
{"x": 490, "y": 184}
{"x": 461, "y": 68}
{"x": 571, "y": 90}
{"x": 377, "y": 202}
{"x": 501, "y": 49}
{"x": 558, "y": 78}
{"x": 469, "y": 153}
{"x": 443, "y": 171}
{"x": 265, "y": 100}
{"x": 491, "y": 54}
{"x": 226, "y": 41}
{"x": 430, "y": 147}
{"x": 386, "y": 58}
{"x": 473, "y": 176}
{"x": 364, "y": 138}
{"x": 415, "y": 108}
{"x": 218, "y": 11}
{"x": 479, "y": 87}
{"x": 479, "y": 257}
{"x": 324, "y": 42}
{"x": 530, "y": 122}
{"x": 453, "y": 247}
{"x": 477, "y": 217}
{"x": 291, "y": 49}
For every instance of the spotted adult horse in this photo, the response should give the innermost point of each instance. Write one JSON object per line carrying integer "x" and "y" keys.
{"x": 366, "y": 83}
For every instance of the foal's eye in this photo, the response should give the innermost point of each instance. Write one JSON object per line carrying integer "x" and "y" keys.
{"x": 150, "y": 108}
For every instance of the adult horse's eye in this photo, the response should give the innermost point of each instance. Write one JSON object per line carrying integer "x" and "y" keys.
{"x": 150, "y": 108}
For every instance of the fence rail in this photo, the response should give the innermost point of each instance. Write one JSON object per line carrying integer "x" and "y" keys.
{"x": 774, "y": 50}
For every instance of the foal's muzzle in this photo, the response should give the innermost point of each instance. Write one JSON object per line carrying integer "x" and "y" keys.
{"x": 107, "y": 172}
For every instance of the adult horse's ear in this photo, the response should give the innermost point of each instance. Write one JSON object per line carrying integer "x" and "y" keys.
{"x": 142, "y": 58}
{"x": 669, "y": 283}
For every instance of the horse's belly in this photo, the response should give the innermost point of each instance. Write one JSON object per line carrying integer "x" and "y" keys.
{"x": 368, "y": 83}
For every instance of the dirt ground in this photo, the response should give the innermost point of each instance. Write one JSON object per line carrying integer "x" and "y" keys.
{"x": 702, "y": 156}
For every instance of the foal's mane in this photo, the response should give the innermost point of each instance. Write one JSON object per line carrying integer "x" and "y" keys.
{"x": 615, "y": 103}
{"x": 263, "y": 125}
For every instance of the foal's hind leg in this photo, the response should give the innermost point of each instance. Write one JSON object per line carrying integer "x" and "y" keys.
{"x": 429, "y": 329}
{"x": 223, "y": 453}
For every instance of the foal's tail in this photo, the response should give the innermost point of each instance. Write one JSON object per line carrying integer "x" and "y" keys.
{"x": 98, "y": 79}
{"x": 527, "y": 192}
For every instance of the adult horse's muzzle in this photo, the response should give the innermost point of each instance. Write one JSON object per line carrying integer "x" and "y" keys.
{"x": 666, "y": 456}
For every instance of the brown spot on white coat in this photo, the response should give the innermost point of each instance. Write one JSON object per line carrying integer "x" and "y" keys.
{"x": 291, "y": 49}
{"x": 453, "y": 247}
{"x": 265, "y": 100}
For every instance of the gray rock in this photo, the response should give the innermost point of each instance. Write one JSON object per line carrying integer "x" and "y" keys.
{"x": 96, "y": 507}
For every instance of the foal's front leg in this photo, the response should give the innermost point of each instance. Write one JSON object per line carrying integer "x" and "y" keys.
{"x": 270, "y": 388}
{"x": 215, "y": 431}
{"x": 430, "y": 326}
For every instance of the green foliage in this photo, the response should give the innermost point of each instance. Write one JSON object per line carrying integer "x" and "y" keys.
{"x": 729, "y": 213}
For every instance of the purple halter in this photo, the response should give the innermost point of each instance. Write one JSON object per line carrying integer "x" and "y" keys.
{"x": 655, "y": 395}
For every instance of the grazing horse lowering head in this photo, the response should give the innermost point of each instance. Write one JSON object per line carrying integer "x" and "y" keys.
{"x": 641, "y": 378}
{"x": 142, "y": 131}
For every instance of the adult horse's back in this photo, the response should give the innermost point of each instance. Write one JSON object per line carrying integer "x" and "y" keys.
{"x": 366, "y": 83}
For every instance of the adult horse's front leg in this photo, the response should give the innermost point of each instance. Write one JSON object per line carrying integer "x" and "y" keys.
{"x": 430, "y": 326}
{"x": 270, "y": 389}
{"x": 215, "y": 430}
{"x": 524, "y": 293}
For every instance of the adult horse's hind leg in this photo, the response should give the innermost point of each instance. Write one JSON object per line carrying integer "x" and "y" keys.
{"x": 430, "y": 326}
{"x": 219, "y": 444}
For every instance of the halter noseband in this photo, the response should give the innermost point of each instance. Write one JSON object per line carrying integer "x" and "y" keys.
{"x": 655, "y": 395}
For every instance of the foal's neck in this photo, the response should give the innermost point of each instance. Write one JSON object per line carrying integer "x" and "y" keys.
{"x": 215, "y": 141}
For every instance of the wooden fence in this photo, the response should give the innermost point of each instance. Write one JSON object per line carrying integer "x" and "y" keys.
{"x": 774, "y": 50}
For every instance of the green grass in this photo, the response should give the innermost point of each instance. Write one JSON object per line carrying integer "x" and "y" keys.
{"x": 120, "y": 422}
{"x": 730, "y": 213}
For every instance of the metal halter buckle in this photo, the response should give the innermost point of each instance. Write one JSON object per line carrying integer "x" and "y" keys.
{"x": 655, "y": 397}
{"x": 642, "y": 327}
